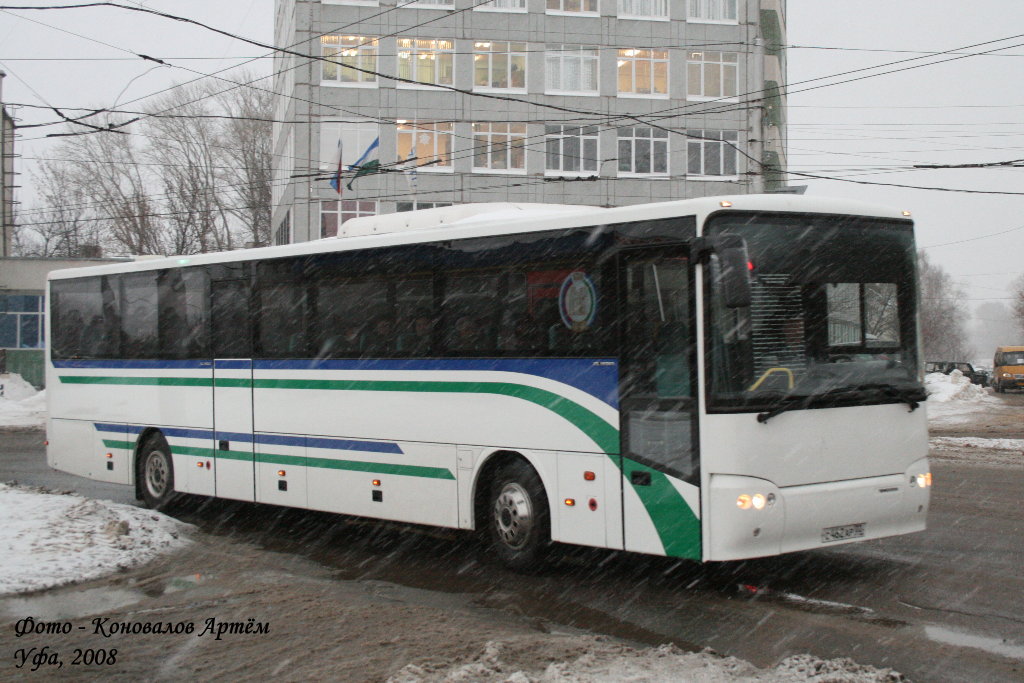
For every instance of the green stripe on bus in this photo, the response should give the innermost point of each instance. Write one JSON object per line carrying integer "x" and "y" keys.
{"x": 676, "y": 524}
{"x": 324, "y": 463}
{"x": 138, "y": 381}
{"x": 113, "y": 443}
{"x": 600, "y": 432}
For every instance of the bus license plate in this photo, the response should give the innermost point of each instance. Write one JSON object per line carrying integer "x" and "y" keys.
{"x": 842, "y": 533}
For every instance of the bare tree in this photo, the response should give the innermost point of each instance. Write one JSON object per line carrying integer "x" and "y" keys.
{"x": 246, "y": 148}
{"x": 944, "y": 313}
{"x": 61, "y": 227}
{"x": 1017, "y": 289}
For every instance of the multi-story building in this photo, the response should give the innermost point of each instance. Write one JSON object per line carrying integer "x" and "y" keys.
{"x": 599, "y": 102}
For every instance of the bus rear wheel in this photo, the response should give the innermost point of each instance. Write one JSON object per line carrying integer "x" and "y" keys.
{"x": 156, "y": 472}
{"x": 518, "y": 517}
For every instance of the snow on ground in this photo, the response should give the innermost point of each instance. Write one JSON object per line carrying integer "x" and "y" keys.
{"x": 978, "y": 451}
{"x": 48, "y": 539}
{"x": 604, "y": 661}
{"x": 953, "y": 398}
{"x": 21, "y": 405}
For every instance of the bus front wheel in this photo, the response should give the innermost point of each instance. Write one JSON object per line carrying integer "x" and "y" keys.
{"x": 519, "y": 521}
{"x": 156, "y": 470}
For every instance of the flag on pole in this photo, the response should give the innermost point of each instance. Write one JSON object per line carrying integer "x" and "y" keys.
{"x": 336, "y": 178}
{"x": 410, "y": 167}
{"x": 368, "y": 163}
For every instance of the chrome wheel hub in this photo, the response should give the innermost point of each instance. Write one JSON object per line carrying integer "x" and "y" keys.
{"x": 156, "y": 473}
{"x": 513, "y": 515}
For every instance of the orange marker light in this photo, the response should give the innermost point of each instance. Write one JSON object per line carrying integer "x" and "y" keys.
{"x": 200, "y": 465}
{"x": 110, "y": 455}
{"x": 280, "y": 473}
{"x": 376, "y": 482}
{"x": 570, "y": 502}
{"x": 589, "y": 476}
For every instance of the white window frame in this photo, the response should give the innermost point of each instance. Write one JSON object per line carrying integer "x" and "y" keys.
{"x": 624, "y": 11}
{"x": 361, "y": 47}
{"x": 512, "y": 6}
{"x": 361, "y": 208}
{"x": 38, "y": 314}
{"x": 367, "y": 3}
{"x": 561, "y": 56}
{"x": 419, "y": 206}
{"x": 654, "y": 138}
{"x": 596, "y": 12}
{"x": 417, "y": 130}
{"x": 489, "y": 136}
{"x": 721, "y": 65}
{"x": 482, "y": 49}
{"x": 421, "y": 49}
{"x": 635, "y": 56}
{"x": 704, "y": 139}
{"x": 713, "y": 11}
{"x": 588, "y": 137}
{"x": 430, "y": 4}
{"x": 356, "y": 137}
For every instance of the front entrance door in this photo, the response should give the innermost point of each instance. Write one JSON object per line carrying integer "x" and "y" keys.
{"x": 660, "y": 468}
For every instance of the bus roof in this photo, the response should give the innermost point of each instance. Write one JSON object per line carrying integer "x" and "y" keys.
{"x": 464, "y": 221}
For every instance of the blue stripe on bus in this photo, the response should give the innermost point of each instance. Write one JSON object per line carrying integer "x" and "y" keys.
{"x": 598, "y": 377}
{"x": 135, "y": 364}
{"x": 272, "y": 439}
{"x": 233, "y": 364}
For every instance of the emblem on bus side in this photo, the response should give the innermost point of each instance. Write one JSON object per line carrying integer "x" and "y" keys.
{"x": 577, "y": 301}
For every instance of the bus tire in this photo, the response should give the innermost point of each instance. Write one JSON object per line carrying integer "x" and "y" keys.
{"x": 519, "y": 527}
{"x": 156, "y": 473}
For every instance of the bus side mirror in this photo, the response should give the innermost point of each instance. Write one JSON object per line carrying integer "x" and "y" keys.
{"x": 733, "y": 276}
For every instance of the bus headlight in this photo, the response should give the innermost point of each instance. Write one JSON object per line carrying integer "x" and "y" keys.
{"x": 757, "y": 501}
{"x": 922, "y": 480}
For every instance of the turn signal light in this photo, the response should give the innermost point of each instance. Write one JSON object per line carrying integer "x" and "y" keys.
{"x": 570, "y": 502}
{"x": 110, "y": 455}
{"x": 200, "y": 464}
{"x": 376, "y": 482}
{"x": 280, "y": 473}
{"x": 743, "y": 502}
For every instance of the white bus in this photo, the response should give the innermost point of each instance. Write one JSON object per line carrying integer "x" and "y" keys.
{"x": 712, "y": 379}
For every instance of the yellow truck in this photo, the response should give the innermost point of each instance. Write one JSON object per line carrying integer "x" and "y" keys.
{"x": 1008, "y": 368}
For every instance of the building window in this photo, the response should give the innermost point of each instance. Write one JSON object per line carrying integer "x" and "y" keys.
{"x": 571, "y": 69}
{"x": 443, "y": 4}
{"x": 21, "y": 321}
{"x": 355, "y": 138}
{"x": 643, "y": 151}
{"x": 574, "y": 6}
{"x": 499, "y": 65}
{"x": 643, "y": 72}
{"x": 499, "y": 147}
{"x": 426, "y": 61}
{"x": 283, "y": 233}
{"x": 711, "y": 74}
{"x": 371, "y": 3}
{"x": 643, "y": 9}
{"x": 712, "y": 10}
{"x": 425, "y": 146}
{"x": 570, "y": 149}
{"x": 401, "y": 207}
{"x": 334, "y": 213}
{"x": 346, "y": 54}
{"x": 502, "y": 6}
{"x": 712, "y": 152}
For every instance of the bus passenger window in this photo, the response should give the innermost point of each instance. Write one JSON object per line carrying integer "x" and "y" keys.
{"x": 139, "y": 315}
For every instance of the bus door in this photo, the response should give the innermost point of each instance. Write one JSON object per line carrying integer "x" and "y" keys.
{"x": 232, "y": 389}
{"x": 660, "y": 461}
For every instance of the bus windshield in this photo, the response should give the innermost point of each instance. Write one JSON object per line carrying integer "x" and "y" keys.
{"x": 831, "y": 319}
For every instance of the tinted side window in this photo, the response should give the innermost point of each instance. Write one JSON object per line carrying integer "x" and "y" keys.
{"x": 184, "y": 314}
{"x": 229, "y": 319}
{"x": 354, "y": 318}
{"x": 139, "y": 315}
{"x": 283, "y": 320}
{"x": 73, "y": 304}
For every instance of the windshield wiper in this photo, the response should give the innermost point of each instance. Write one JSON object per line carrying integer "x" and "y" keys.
{"x": 910, "y": 396}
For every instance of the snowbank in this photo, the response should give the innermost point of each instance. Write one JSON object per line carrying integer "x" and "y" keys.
{"x": 978, "y": 451}
{"x": 943, "y": 388}
{"x": 49, "y": 539}
{"x": 603, "y": 661}
{"x": 21, "y": 405}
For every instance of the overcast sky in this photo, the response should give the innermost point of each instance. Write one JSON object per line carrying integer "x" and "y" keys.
{"x": 966, "y": 111}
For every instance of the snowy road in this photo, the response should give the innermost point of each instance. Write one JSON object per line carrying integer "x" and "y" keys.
{"x": 944, "y": 605}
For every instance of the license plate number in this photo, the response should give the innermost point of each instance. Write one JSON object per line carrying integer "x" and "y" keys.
{"x": 842, "y": 533}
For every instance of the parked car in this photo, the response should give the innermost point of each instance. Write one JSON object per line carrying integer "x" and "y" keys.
{"x": 980, "y": 377}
